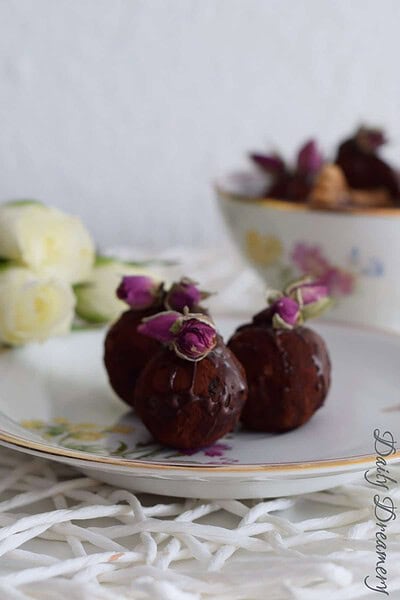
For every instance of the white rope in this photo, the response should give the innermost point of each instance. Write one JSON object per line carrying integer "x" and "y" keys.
{"x": 114, "y": 544}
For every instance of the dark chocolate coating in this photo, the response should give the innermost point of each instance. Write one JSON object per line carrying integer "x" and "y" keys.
{"x": 191, "y": 404}
{"x": 288, "y": 374}
{"x": 127, "y": 352}
{"x": 366, "y": 171}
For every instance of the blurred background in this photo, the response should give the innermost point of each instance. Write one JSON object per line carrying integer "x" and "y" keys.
{"x": 124, "y": 111}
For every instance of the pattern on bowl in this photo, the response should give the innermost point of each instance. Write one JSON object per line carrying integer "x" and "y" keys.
{"x": 309, "y": 259}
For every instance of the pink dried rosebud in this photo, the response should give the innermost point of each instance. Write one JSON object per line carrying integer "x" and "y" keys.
{"x": 183, "y": 294}
{"x": 312, "y": 297}
{"x": 138, "y": 291}
{"x": 161, "y": 326}
{"x": 309, "y": 159}
{"x": 191, "y": 336}
{"x": 195, "y": 337}
{"x": 287, "y": 313}
{"x": 309, "y": 293}
{"x": 272, "y": 164}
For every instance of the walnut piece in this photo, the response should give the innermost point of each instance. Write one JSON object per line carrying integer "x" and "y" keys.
{"x": 331, "y": 192}
{"x": 330, "y": 189}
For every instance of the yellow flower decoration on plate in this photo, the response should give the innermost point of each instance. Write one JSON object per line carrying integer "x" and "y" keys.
{"x": 87, "y": 436}
{"x": 88, "y": 432}
{"x": 263, "y": 250}
{"x": 77, "y": 427}
{"x": 33, "y": 424}
{"x": 124, "y": 429}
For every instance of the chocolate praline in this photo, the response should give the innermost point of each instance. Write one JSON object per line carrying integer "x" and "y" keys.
{"x": 188, "y": 404}
{"x": 365, "y": 170}
{"x": 288, "y": 373}
{"x": 126, "y": 352}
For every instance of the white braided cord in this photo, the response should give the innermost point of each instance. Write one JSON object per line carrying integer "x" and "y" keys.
{"x": 113, "y": 544}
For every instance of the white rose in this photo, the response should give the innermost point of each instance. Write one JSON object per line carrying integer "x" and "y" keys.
{"x": 96, "y": 299}
{"x": 46, "y": 240}
{"x": 32, "y": 307}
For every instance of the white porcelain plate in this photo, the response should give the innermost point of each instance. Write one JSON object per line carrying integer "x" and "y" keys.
{"x": 55, "y": 402}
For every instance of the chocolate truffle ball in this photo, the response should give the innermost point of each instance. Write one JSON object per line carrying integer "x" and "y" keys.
{"x": 188, "y": 404}
{"x": 288, "y": 374}
{"x": 126, "y": 352}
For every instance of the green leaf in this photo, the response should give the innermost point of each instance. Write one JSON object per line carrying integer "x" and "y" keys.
{"x": 121, "y": 448}
{"x": 6, "y": 263}
{"x": 23, "y": 202}
{"x": 101, "y": 261}
{"x": 84, "y": 285}
{"x": 87, "y": 326}
{"x": 84, "y": 309}
{"x": 316, "y": 309}
{"x": 92, "y": 318}
{"x": 54, "y": 430}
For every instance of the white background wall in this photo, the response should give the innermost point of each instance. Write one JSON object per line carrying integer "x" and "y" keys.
{"x": 122, "y": 111}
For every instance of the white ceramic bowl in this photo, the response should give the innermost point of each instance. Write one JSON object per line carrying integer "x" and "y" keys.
{"x": 357, "y": 253}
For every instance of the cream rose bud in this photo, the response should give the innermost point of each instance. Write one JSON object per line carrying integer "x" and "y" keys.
{"x": 97, "y": 301}
{"x": 32, "y": 307}
{"x": 46, "y": 240}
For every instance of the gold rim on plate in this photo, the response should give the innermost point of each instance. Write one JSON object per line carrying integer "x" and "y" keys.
{"x": 133, "y": 464}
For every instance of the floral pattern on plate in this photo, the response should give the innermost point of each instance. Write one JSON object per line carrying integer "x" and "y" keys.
{"x": 124, "y": 439}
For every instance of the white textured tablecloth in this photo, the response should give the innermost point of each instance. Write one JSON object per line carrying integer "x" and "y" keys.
{"x": 64, "y": 536}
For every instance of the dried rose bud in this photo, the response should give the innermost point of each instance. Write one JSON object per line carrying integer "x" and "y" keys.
{"x": 303, "y": 299}
{"x": 272, "y": 164}
{"x": 138, "y": 291}
{"x": 191, "y": 336}
{"x": 309, "y": 159}
{"x": 161, "y": 326}
{"x": 195, "y": 338}
{"x": 287, "y": 313}
{"x": 306, "y": 290}
{"x": 312, "y": 297}
{"x": 311, "y": 293}
{"x": 183, "y": 294}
